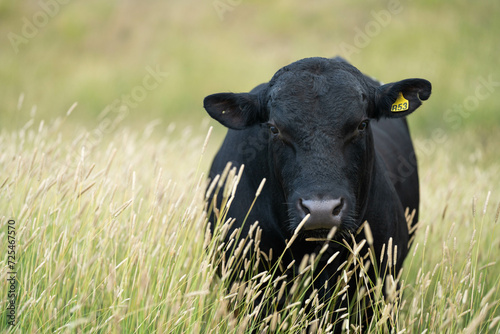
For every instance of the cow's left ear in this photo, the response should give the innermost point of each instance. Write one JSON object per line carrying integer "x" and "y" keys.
{"x": 398, "y": 99}
{"x": 235, "y": 111}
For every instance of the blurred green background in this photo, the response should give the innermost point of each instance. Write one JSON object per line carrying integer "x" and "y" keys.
{"x": 57, "y": 52}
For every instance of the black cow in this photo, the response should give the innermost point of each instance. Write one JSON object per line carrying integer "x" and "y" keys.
{"x": 332, "y": 143}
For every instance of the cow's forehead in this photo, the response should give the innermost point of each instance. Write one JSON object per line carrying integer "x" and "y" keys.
{"x": 315, "y": 82}
{"x": 307, "y": 94}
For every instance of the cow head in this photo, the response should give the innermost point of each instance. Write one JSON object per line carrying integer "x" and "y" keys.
{"x": 318, "y": 114}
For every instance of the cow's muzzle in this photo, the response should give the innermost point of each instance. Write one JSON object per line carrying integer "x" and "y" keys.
{"x": 324, "y": 213}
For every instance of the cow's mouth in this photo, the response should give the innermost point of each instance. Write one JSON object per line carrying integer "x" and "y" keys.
{"x": 318, "y": 235}
{"x": 335, "y": 233}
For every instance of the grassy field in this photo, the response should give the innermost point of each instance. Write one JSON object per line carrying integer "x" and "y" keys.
{"x": 104, "y": 158}
{"x": 112, "y": 239}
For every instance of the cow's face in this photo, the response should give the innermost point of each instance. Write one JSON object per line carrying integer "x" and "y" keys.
{"x": 318, "y": 113}
{"x": 321, "y": 146}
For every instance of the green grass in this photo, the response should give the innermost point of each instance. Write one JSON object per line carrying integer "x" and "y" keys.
{"x": 94, "y": 52}
{"x": 113, "y": 239}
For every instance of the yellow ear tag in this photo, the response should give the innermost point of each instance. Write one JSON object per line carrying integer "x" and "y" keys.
{"x": 401, "y": 104}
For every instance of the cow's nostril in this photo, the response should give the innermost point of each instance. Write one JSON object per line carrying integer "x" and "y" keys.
{"x": 305, "y": 210}
{"x": 338, "y": 209}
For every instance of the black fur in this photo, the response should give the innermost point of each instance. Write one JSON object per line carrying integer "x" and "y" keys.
{"x": 317, "y": 105}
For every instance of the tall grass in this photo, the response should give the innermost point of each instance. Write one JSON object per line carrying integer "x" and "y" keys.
{"x": 112, "y": 237}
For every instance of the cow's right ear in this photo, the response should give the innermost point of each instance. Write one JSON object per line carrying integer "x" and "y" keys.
{"x": 235, "y": 111}
{"x": 401, "y": 98}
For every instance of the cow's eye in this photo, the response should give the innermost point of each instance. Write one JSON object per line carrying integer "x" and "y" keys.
{"x": 274, "y": 130}
{"x": 363, "y": 125}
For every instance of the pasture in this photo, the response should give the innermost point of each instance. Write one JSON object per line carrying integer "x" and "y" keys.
{"x": 113, "y": 239}
{"x": 107, "y": 193}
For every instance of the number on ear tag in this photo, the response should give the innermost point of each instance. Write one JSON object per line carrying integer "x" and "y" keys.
{"x": 401, "y": 104}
